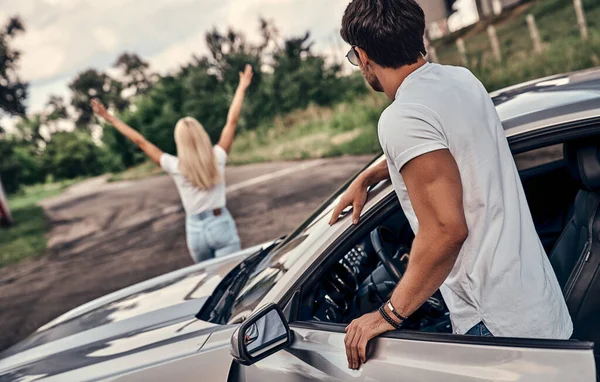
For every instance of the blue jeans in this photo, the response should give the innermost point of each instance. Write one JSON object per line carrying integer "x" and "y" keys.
{"x": 210, "y": 236}
{"x": 479, "y": 330}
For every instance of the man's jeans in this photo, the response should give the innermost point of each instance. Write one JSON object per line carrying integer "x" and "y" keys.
{"x": 479, "y": 330}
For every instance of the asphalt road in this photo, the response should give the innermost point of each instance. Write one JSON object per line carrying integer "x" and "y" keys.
{"x": 106, "y": 236}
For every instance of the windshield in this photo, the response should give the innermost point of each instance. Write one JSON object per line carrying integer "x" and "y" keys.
{"x": 272, "y": 268}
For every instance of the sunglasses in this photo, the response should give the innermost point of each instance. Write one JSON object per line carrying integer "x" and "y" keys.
{"x": 352, "y": 56}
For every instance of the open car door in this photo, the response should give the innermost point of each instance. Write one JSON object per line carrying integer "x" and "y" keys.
{"x": 315, "y": 351}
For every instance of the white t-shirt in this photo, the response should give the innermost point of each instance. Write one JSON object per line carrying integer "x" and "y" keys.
{"x": 194, "y": 199}
{"x": 502, "y": 276}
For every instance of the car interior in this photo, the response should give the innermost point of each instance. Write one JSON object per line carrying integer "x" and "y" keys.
{"x": 562, "y": 185}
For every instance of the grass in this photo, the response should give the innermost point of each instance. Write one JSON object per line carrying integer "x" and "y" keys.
{"x": 564, "y": 50}
{"x": 316, "y": 132}
{"x": 140, "y": 171}
{"x": 27, "y": 237}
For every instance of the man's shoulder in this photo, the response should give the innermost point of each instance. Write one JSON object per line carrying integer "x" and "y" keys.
{"x": 402, "y": 109}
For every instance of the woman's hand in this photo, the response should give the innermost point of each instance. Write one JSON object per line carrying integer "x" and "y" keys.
{"x": 246, "y": 77}
{"x": 99, "y": 108}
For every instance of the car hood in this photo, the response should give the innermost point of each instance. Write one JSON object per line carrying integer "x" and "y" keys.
{"x": 150, "y": 314}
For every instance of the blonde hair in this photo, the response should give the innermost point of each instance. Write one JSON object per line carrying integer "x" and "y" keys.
{"x": 197, "y": 160}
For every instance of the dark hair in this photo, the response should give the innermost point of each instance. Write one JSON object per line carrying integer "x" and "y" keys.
{"x": 390, "y": 31}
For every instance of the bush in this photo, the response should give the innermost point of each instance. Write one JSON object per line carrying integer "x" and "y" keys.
{"x": 71, "y": 155}
{"x": 10, "y": 167}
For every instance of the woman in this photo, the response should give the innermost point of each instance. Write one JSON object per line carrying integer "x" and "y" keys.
{"x": 199, "y": 174}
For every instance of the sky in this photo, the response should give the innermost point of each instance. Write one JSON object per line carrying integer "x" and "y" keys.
{"x": 65, "y": 37}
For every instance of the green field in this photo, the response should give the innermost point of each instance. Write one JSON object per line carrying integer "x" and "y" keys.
{"x": 27, "y": 238}
{"x": 564, "y": 49}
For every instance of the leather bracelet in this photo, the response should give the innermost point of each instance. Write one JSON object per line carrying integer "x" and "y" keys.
{"x": 388, "y": 318}
{"x": 400, "y": 317}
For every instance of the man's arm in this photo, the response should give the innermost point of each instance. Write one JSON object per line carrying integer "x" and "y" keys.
{"x": 356, "y": 194}
{"x": 436, "y": 194}
{"x": 153, "y": 152}
{"x": 235, "y": 109}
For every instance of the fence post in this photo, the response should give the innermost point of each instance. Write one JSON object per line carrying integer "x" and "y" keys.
{"x": 535, "y": 34}
{"x": 581, "y": 19}
{"x": 431, "y": 52}
{"x": 460, "y": 44}
{"x": 494, "y": 41}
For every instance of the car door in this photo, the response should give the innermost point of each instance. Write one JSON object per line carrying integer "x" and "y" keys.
{"x": 318, "y": 354}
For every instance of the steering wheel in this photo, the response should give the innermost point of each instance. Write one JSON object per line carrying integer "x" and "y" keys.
{"x": 387, "y": 247}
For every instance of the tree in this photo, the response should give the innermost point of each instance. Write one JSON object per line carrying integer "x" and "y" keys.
{"x": 13, "y": 91}
{"x": 72, "y": 154}
{"x": 136, "y": 73}
{"x": 90, "y": 84}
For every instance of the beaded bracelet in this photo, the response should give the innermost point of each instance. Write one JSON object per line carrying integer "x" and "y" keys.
{"x": 388, "y": 318}
{"x": 389, "y": 304}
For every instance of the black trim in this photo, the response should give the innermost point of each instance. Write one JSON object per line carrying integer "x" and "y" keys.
{"x": 529, "y": 140}
{"x": 457, "y": 338}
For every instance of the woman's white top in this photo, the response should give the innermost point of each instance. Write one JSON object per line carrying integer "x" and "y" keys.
{"x": 196, "y": 200}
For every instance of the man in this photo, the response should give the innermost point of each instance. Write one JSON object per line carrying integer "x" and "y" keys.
{"x": 456, "y": 180}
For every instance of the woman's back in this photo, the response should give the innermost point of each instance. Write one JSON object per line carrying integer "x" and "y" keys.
{"x": 194, "y": 199}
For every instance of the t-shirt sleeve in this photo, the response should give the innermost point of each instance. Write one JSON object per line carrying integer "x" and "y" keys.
{"x": 169, "y": 163}
{"x": 406, "y": 132}
{"x": 220, "y": 154}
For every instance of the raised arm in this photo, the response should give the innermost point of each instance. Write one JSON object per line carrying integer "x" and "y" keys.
{"x": 153, "y": 152}
{"x": 228, "y": 132}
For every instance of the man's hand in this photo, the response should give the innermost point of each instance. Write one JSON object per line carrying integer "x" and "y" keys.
{"x": 355, "y": 196}
{"x": 246, "y": 77}
{"x": 99, "y": 108}
{"x": 358, "y": 335}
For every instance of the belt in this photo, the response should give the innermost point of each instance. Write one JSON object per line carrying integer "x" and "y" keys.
{"x": 209, "y": 213}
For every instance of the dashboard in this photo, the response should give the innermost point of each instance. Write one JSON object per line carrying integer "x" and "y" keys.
{"x": 359, "y": 283}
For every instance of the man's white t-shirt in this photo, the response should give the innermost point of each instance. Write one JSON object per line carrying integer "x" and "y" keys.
{"x": 502, "y": 276}
{"x": 194, "y": 199}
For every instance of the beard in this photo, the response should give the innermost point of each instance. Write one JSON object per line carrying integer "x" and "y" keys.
{"x": 371, "y": 79}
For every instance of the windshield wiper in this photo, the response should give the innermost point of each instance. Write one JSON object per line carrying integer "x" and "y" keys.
{"x": 222, "y": 310}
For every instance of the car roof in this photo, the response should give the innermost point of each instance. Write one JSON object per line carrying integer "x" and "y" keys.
{"x": 549, "y": 101}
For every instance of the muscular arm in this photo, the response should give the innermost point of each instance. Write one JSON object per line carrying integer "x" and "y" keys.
{"x": 435, "y": 190}
{"x": 356, "y": 194}
{"x": 235, "y": 109}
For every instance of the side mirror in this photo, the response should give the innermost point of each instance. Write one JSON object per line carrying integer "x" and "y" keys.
{"x": 262, "y": 334}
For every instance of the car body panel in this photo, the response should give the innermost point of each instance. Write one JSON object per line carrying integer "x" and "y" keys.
{"x": 318, "y": 355}
{"x": 152, "y": 314}
{"x": 211, "y": 363}
{"x": 550, "y": 101}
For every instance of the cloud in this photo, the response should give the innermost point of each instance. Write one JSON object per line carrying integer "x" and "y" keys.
{"x": 105, "y": 38}
{"x": 179, "y": 53}
{"x": 64, "y": 37}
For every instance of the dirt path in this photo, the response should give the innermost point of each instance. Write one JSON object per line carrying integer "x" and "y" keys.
{"x": 106, "y": 236}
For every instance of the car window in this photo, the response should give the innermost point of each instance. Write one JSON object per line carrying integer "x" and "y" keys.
{"x": 282, "y": 258}
{"x": 538, "y": 157}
